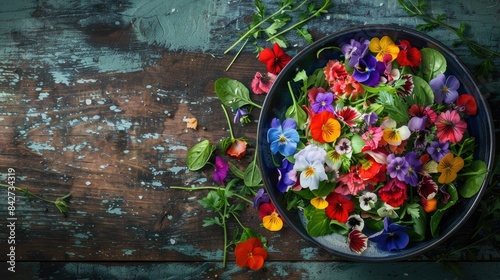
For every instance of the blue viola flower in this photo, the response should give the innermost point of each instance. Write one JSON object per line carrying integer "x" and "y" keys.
{"x": 283, "y": 137}
{"x": 392, "y": 238}
{"x": 260, "y": 197}
{"x": 367, "y": 71}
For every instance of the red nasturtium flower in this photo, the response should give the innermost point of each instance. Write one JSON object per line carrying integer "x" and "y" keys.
{"x": 237, "y": 148}
{"x": 275, "y": 59}
{"x": 338, "y": 207}
{"x": 408, "y": 55}
{"x": 250, "y": 253}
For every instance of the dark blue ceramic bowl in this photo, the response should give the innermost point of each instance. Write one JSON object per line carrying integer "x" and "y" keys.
{"x": 278, "y": 100}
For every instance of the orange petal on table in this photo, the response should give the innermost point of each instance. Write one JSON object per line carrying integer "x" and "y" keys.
{"x": 192, "y": 123}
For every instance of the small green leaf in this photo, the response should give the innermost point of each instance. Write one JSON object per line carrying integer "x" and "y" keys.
{"x": 199, "y": 155}
{"x": 236, "y": 171}
{"x": 318, "y": 223}
{"x": 324, "y": 188}
{"x": 433, "y": 63}
{"x": 252, "y": 175}
{"x": 438, "y": 215}
{"x": 473, "y": 183}
{"x": 232, "y": 93}
{"x": 422, "y": 93}
{"x": 357, "y": 143}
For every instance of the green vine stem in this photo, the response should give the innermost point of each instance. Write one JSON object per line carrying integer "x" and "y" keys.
{"x": 61, "y": 202}
{"x": 190, "y": 189}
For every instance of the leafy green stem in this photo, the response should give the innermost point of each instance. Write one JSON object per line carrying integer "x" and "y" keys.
{"x": 326, "y": 4}
{"x": 237, "y": 54}
{"x": 228, "y": 122}
{"x": 210, "y": 188}
{"x": 61, "y": 202}
{"x": 254, "y": 28}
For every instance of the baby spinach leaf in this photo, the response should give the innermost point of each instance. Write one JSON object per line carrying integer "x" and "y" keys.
{"x": 433, "y": 63}
{"x": 473, "y": 183}
{"x": 318, "y": 223}
{"x": 199, "y": 155}
{"x": 422, "y": 93}
{"x": 233, "y": 93}
{"x": 252, "y": 177}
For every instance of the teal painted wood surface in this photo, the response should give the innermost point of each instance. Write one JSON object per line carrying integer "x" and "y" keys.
{"x": 93, "y": 101}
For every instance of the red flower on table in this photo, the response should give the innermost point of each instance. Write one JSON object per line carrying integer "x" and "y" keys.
{"x": 237, "y": 149}
{"x": 250, "y": 253}
{"x": 275, "y": 59}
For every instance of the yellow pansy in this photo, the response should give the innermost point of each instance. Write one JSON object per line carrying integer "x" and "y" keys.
{"x": 272, "y": 222}
{"x": 319, "y": 202}
{"x": 382, "y": 47}
{"x": 449, "y": 167}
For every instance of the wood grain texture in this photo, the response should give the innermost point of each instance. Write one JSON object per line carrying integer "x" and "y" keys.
{"x": 93, "y": 101}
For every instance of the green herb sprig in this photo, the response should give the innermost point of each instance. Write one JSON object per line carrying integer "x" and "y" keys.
{"x": 487, "y": 55}
{"x": 61, "y": 203}
{"x": 280, "y": 22}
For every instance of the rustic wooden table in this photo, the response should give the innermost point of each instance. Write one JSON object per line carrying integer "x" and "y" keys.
{"x": 94, "y": 96}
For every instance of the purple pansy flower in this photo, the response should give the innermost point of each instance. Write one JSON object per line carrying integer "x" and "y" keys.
{"x": 417, "y": 123}
{"x": 392, "y": 238}
{"x": 220, "y": 170}
{"x": 397, "y": 167}
{"x": 371, "y": 118}
{"x": 240, "y": 115}
{"x": 260, "y": 197}
{"x": 437, "y": 150}
{"x": 283, "y": 137}
{"x": 323, "y": 102}
{"x": 414, "y": 167}
{"x": 445, "y": 89}
{"x": 287, "y": 176}
{"x": 355, "y": 50}
{"x": 368, "y": 70}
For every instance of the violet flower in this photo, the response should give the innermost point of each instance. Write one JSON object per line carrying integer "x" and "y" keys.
{"x": 367, "y": 70}
{"x": 371, "y": 118}
{"x": 287, "y": 176}
{"x": 323, "y": 102}
{"x": 241, "y": 116}
{"x": 437, "y": 150}
{"x": 355, "y": 50}
{"x": 414, "y": 167}
{"x": 397, "y": 167}
{"x": 445, "y": 89}
{"x": 260, "y": 197}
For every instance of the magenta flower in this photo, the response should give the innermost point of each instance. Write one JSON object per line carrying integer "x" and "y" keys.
{"x": 445, "y": 89}
{"x": 220, "y": 171}
{"x": 450, "y": 127}
{"x": 262, "y": 84}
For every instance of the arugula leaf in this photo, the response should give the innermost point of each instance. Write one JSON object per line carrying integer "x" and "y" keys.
{"x": 394, "y": 106}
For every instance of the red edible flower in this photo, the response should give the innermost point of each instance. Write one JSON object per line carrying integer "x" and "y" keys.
{"x": 338, "y": 207}
{"x": 408, "y": 55}
{"x": 237, "y": 149}
{"x": 450, "y": 127}
{"x": 357, "y": 241}
{"x": 275, "y": 59}
{"x": 250, "y": 253}
{"x": 393, "y": 192}
{"x": 466, "y": 103}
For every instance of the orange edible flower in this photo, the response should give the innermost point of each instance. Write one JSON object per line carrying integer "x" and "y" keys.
{"x": 250, "y": 253}
{"x": 449, "y": 167}
{"x": 237, "y": 149}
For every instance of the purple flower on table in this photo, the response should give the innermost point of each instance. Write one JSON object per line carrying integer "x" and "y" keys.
{"x": 437, "y": 150}
{"x": 260, "y": 197}
{"x": 287, "y": 176}
{"x": 397, "y": 167}
{"x": 283, "y": 137}
{"x": 445, "y": 89}
{"x": 220, "y": 170}
{"x": 323, "y": 102}
{"x": 241, "y": 116}
{"x": 355, "y": 50}
{"x": 392, "y": 238}
{"x": 414, "y": 167}
{"x": 367, "y": 70}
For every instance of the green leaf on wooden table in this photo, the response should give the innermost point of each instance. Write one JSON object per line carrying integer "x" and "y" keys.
{"x": 212, "y": 201}
{"x": 252, "y": 175}
{"x": 318, "y": 223}
{"x": 199, "y": 155}
{"x": 473, "y": 183}
{"x": 422, "y": 93}
{"x": 433, "y": 63}
{"x": 211, "y": 221}
{"x": 236, "y": 171}
{"x": 438, "y": 215}
{"x": 233, "y": 93}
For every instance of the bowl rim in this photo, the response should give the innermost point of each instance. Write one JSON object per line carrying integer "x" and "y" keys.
{"x": 431, "y": 243}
